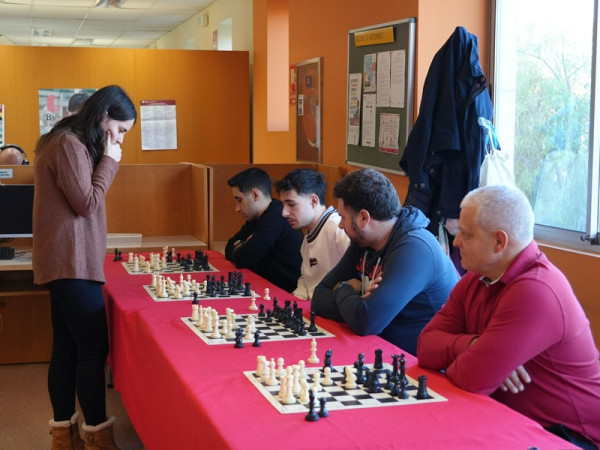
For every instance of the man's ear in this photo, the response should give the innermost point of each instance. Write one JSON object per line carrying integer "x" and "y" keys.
{"x": 363, "y": 218}
{"x": 314, "y": 200}
{"x": 501, "y": 240}
{"x": 255, "y": 194}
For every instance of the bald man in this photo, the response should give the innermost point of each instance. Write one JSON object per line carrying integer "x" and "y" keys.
{"x": 11, "y": 156}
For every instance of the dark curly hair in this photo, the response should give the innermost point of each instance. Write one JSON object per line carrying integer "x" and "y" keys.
{"x": 370, "y": 190}
{"x": 305, "y": 182}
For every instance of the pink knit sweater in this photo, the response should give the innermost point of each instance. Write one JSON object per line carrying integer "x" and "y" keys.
{"x": 69, "y": 215}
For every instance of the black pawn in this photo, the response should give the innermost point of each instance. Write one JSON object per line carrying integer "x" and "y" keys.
{"x": 269, "y": 318}
{"x": 322, "y": 410}
{"x": 311, "y": 416}
{"x": 256, "y": 342}
{"x": 422, "y": 393}
{"x": 262, "y": 310}
{"x": 239, "y": 339}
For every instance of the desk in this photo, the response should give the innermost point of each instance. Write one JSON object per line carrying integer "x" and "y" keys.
{"x": 181, "y": 393}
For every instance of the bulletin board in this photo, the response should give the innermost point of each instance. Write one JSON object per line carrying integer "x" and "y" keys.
{"x": 380, "y": 90}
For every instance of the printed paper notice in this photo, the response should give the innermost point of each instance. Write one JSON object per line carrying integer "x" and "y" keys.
{"x": 389, "y": 126}
{"x": 368, "y": 125}
{"x": 397, "y": 79}
{"x": 370, "y": 72}
{"x": 354, "y": 93}
{"x": 383, "y": 79}
{"x": 159, "y": 124}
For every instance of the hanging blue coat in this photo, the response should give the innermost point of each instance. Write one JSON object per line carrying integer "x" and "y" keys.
{"x": 445, "y": 148}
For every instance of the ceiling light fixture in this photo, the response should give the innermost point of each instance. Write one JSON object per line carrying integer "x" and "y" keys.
{"x": 109, "y": 3}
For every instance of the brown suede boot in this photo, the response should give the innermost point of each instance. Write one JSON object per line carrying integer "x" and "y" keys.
{"x": 65, "y": 434}
{"x": 100, "y": 437}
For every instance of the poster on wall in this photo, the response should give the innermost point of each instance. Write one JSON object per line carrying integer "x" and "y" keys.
{"x": 54, "y": 104}
{"x": 1, "y": 125}
{"x": 158, "y": 120}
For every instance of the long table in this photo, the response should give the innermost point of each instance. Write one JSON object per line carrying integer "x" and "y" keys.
{"x": 182, "y": 393}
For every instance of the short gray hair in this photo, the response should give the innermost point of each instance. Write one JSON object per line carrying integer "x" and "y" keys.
{"x": 503, "y": 208}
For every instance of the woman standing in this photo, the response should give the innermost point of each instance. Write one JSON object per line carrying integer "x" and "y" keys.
{"x": 74, "y": 166}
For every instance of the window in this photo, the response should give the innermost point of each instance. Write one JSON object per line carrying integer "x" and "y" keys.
{"x": 543, "y": 88}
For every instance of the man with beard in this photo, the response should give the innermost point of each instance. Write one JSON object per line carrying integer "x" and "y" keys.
{"x": 394, "y": 276}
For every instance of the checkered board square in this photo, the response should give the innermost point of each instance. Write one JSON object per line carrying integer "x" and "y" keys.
{"x": 269, "y": 331}
{"x": 339, "y": 398}
{"x": 172, "y": 267}
{"x": 201, "y": 296}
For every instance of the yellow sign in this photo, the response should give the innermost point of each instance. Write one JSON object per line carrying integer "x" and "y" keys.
{"x": 371, "y": 37}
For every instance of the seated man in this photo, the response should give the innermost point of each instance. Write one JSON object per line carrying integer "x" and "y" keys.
{"x": 302, "y": 192}
{"x": 394, "y": 276}
{"x": 512, "y": 326}
{"x": 266, "y": 244}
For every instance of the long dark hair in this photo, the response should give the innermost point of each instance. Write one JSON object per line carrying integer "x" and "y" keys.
{"x": 110, "y": 100}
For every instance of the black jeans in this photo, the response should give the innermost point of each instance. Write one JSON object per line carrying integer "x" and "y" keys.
{"x": 571, "y": 436}
{"x": 79, "y": 349}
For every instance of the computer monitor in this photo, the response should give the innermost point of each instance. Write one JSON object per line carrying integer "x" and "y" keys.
{"x": 16, "y": 210}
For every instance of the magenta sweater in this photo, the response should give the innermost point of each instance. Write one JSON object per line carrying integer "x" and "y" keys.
{"x": 529, "y": 317}
{"x": 69, "y": 217}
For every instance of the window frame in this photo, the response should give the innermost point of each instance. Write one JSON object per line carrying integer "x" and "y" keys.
{"x": 588, "y": 241}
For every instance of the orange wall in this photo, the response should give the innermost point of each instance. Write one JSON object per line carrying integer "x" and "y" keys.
{"x": 211, "y": 90}
{"x": 319, "y": 28}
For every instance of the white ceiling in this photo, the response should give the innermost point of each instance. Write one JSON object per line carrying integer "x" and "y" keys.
{"x": 66, "y": 23}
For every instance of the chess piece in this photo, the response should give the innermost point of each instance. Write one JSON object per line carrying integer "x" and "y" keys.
{"x": 378, "y": 364}
{"x": 256, "y": 342}
{"x": 422, "y": 393}
{"x": 327, "y": 362}
{"x": 311, "y": 416}
{"x": 327, "y": 381}
{"x": 272, "y": 380}
{"x": 253, "y": 306}
{"x": 313, "y": 358}
{"x": 266, "y": 297}
{"x": 313, "y": 327}
{"x": 322, "y": 410}
{"x": 316, "y": 386}
{"x": 350, "y": 378}
{"x": 280, "y": 370}
{"x": 262, "y": 310}
{"x": 195, "y": 310}
{"x": 239, "y": 339}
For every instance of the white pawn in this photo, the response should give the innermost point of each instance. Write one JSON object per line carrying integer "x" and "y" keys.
{"x": 280, "y": 370}
{"x": 253, "y": 306}
{"x": 130, "y": 260}
{"x": 259, "y": 366}
{"x": 154, "y": 280}
{"x": 136, "y": 264}
{"x": 266, "y": 297}
{"x": 272, "y": 380}
{"x": 147, "y": 268}
{"x": 317, "y": 382}
{"x": 301, "y": 372}
{"x": 224, "y": 328}
{"x": 313, "y": 358}
{"x": 200, "y": 322}
{"x": 327, "y": 381}
{"x": 195, "y": 312}
{"x": 163, "y": 262}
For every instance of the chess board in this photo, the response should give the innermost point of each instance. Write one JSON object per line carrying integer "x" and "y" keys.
{"x": 269, "y": 331}
{"x": 339, "y": 398}
{"x": 171, "y": 267}
{"x": 202, "y": 295}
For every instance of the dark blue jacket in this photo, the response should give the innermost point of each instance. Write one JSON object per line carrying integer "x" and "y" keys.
{"x": 445, "y": 148}
{"x": 417, "y": 278}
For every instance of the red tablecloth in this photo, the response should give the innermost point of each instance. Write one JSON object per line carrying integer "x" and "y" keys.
{"x": 182, "y": 393}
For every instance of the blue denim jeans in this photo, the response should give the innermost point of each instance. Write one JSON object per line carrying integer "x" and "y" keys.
{"x": 79, "y": 349}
